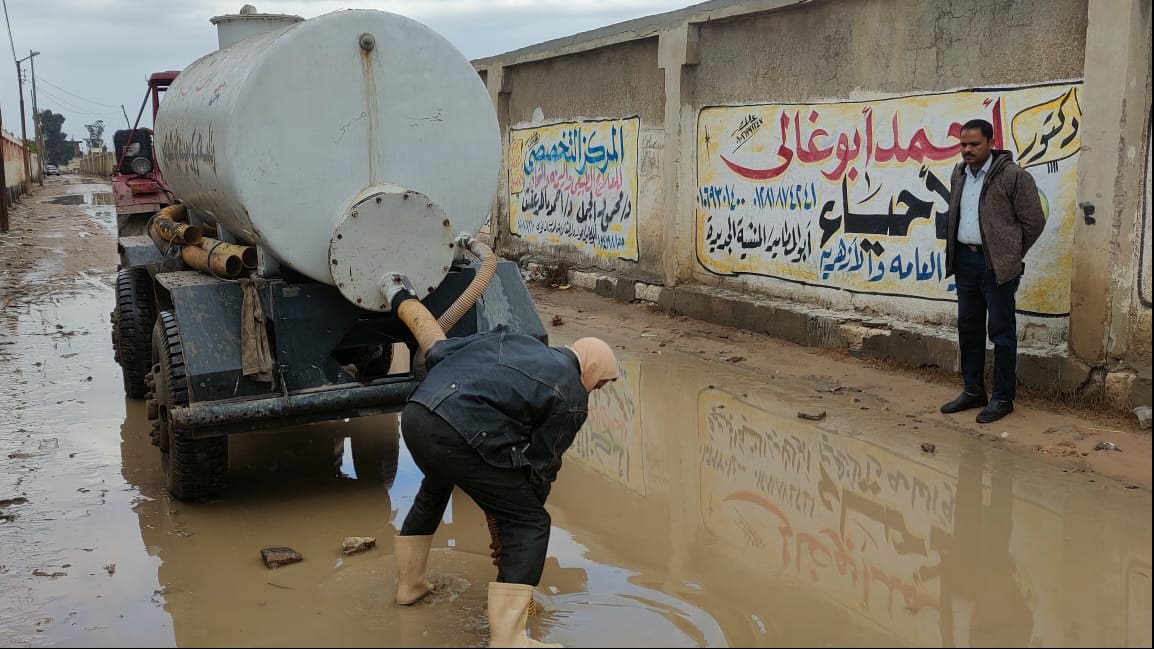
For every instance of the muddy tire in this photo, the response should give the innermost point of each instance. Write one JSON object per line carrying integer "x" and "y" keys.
{"x": 193, "y": 468}
{"x": 132, "y": 328}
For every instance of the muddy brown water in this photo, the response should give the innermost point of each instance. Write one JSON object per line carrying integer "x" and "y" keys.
{"x": 694, "y": 509}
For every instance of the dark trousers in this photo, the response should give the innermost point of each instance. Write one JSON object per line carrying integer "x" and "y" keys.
{"x": 984, "y": 306}
{"x": 506, "y": 494}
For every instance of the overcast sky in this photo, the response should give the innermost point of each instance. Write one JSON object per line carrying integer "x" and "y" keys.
{"x": 96, "y": 54}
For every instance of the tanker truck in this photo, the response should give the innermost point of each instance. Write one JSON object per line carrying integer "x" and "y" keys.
{"x": 316, "y": 169}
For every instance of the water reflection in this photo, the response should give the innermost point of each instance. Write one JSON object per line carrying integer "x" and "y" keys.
{"x": 67, "y": 199}
{"x": 86, "y": 198}
{"x": 100, "y": 198}
{"x": 298, "y": 488}
{"x": 591, "y": 604}
{"x": 694, "y": 509}
{"x": 793, "y": 532}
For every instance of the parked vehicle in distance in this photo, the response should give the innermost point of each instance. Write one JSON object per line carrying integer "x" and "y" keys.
{"x": 51, "y": 170}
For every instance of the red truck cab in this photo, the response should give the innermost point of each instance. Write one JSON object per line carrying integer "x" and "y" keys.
{"x": 137, "y": 184}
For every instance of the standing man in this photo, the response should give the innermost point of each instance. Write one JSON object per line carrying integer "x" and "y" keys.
{"x": 493, "y": 417}
{"x": 995, "y": 217}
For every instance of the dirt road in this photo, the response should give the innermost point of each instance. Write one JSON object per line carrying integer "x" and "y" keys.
{"x": 696, "y": 507}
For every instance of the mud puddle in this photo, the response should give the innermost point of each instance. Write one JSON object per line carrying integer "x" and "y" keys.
{"x": 694, "y": 509}
{"x": 84, "y": 198}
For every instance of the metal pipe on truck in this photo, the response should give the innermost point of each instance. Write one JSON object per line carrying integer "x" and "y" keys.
{"x": 170, "y": 225}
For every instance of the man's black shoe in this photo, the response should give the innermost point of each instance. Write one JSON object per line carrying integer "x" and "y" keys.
{"x": 995, "y": 411}
{"x": 965, "y": 401}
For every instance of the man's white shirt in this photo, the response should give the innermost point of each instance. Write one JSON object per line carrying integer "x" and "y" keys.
{"x": 968, "y": 229}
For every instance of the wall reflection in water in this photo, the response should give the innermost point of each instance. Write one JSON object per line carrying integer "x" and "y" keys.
{"x": 694, "y": 509}
{"x": 798, "y": 532}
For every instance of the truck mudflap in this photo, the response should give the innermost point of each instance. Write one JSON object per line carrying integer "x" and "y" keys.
{"x": 214, "y": 418}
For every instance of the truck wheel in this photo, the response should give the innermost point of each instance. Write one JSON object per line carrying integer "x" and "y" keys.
{"x": 193, "y": 468}
{"x": 132, "y": 328}
{"x": 368, "y": 363}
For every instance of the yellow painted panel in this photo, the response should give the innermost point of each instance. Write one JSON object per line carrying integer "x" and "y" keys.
{"x": 854, "y": 195}
{"x": 575, "y": 184}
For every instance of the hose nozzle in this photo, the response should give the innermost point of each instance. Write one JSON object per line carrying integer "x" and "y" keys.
{"x": 396, "y": 287}
{"x": 398, "y": 290}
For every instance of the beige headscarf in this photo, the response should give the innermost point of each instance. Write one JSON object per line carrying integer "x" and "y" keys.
{"x": 597, "y": 361}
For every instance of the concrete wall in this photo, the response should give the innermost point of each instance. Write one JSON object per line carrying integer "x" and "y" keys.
{"x": 838, "y": 50}
{"x": 832, "y": 62}
{"x": 14, "y": 177}
{"x": 800, "y": 152}
{"x": 99, "y": 164}
{"x": 1110, "y": 318}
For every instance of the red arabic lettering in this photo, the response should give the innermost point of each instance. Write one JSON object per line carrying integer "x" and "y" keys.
{"x": 845, "y": 154}
{"x": 810, "y": 154}
{"x": 919, "y": 148}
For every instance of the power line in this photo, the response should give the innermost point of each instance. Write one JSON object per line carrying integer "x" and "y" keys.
{"x": 41, "y": 79}
{"x": 69, "y": 105}
{"x": 60, "y": 100}
{"x": 9, "y": 22}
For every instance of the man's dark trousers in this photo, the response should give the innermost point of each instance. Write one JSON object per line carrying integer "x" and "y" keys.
{"x": 980, "y": 296}
{"x": 447, "y": 460}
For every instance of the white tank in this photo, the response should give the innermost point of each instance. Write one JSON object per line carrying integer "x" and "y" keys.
{"x": 348, "y": 147}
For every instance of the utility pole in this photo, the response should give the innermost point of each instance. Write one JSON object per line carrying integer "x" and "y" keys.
{"x": 24, "y": 130}
{"x": 36, "y": 117}
{"x": 24, "y": 122}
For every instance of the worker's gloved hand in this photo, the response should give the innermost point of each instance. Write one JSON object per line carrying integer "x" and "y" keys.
{"x": 495, "y": 546}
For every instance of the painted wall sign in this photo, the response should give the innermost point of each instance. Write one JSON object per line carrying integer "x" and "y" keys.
{"x": 854, "y": 195}
{"x": 575, "y": 184}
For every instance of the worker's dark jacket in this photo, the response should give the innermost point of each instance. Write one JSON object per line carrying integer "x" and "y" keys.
{"x": 1010, "y": 216}
{"x": 515, "y": 400}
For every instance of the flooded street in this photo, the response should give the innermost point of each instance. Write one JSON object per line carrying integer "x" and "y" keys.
{"x": 695, "y": 508}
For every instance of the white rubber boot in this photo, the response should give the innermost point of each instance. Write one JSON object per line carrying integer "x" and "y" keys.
{"x": 412, "y": 556}
{"x": 508, "y": 612}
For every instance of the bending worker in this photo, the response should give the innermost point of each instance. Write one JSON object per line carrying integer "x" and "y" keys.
{"x": 493, "y": 417}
